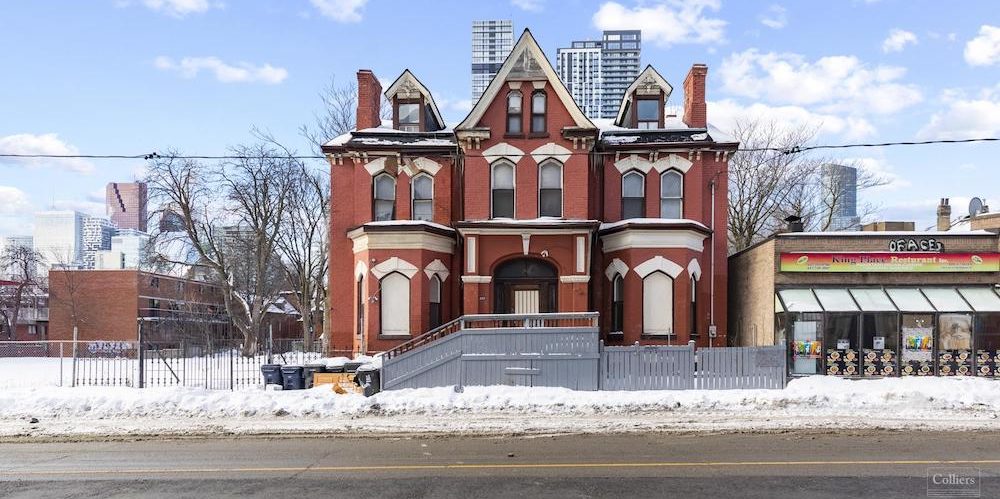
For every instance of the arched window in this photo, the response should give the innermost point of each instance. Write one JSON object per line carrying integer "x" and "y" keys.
{"x": 395, "y": 304}
{"x": 514, "y": 112}
{"x": 502, "y": 190}
{"x": 617, "y": 304}
{"x": 633, "y": 195}
{"x": 435, "y": 301}
{"x": 423, "y": 197}
{"x": 671, "y": 194}
{"x": 538, "y": 111}
{"x": 694, "y": 306}
{"x": 550, "y": 189}
{"x": 385, "y": 197}
{"x": 658, "y": 304}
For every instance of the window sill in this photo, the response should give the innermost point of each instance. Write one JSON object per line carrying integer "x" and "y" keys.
{"x": 538, "y": 135}
{"x": 645, "y": 336}
{"x": 394, "y": 336}
{"x": 513, "y": 135}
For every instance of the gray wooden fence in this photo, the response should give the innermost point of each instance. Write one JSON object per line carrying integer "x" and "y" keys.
{"x": 647, "y": 368}
{"x": 741, "y": 367}
{"x": 549, "y": 355}
{"x": 564, "y": 350}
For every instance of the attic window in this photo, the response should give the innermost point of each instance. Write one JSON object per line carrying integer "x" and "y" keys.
{"x": 647, "y": 113}
{"x": 409, "y": 116}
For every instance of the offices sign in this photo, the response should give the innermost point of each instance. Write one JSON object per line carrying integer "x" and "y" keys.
{"x": 889, "y": 262}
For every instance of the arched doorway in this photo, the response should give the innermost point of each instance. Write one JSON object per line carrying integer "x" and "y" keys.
{"x": 525, "y": 286}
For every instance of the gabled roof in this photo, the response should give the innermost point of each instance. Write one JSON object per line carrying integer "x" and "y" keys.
{"x": 649, "y": 81}
{"x": 525, "y": 62}
{"x": 408, "y": 84}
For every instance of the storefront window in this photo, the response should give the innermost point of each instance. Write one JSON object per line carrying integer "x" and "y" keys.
{"x": 841, "y": 341}
{"x": 879, "y": 343}
{"x": 807, "y": 346}
{"x": 987, "y": 344}
{"x": 954, "y": 345}
{"x": 917, "y": 354}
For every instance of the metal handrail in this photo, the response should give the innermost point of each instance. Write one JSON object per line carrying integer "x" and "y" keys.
{"x": 482, "y": 321}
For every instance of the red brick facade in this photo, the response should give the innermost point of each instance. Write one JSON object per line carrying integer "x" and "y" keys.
{"x": 567, "y": 237}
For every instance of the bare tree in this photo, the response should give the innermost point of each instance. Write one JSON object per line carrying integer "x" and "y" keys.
{"x": 22, "y": 266}
{"x": 338, "y": 115}
{"x": 770, "y": 178}
{"x": 232, "y": 218}
{"x": 763, "y": 177}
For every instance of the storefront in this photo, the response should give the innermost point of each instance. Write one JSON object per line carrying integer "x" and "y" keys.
{"x": 846, "y": 307}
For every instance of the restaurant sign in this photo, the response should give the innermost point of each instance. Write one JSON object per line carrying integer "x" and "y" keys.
{"x": 890, "y": 262}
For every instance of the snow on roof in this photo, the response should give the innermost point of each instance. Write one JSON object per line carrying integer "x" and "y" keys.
{"x": 719, "y": 135}
{"x": 396, "y": 223}
{"x": 652, "y": 221}
{"x": 531, "y": 221}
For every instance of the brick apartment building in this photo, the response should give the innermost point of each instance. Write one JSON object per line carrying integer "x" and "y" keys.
{"x": 528, "y": 206}
{"x": 108, "y": 305}
{"x": 33, "y": 315}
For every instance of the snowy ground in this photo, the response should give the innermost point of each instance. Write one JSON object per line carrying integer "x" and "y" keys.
{"x": 810, "y": 403}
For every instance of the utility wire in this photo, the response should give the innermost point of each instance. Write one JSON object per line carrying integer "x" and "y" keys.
{"x": 791, "y": 150}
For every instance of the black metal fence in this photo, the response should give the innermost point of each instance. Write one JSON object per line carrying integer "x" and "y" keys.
{"x": 216, "y": 365}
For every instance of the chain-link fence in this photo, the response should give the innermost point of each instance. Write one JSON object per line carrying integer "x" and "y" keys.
{"x": 214, "y": 364}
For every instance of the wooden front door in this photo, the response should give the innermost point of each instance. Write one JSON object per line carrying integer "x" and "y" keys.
{"x": 525, "y": 286}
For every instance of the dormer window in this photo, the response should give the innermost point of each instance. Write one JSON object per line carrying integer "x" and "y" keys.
{"x": 514, "y": 113}
{"x": 409, "y": 116}
{"x": 647, "y": 113}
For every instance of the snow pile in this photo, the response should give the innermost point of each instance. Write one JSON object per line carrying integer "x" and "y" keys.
{"x": 820, "y": 395}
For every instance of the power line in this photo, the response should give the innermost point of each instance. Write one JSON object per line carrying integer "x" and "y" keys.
{"x": 791, "y": 150}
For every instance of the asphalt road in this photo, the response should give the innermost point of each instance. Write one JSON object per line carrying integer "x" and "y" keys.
{"x": 814, "y": 464}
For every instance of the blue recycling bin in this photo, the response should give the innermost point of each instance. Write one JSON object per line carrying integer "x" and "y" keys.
{"x": 291, "y": 377}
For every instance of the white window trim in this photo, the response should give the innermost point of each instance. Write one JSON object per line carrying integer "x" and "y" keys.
{"x": 551, "y": 151}
{"x": 437, "y": 268}
{"x": 616, "y": 267}
{"x": 513, "y": 167}
{"x": 658, "y": 263}
{"x": 662, "y": 198}
{"x": 394, "y": 264}
{"x": 562, "y": 190}
{"x": 643, "y": 177}
{"x": 413, "y": 195}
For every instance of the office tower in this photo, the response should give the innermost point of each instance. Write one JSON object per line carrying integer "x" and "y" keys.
{"x": 59, "y": 237}
{"x": 597, "y": 72}
{"x": 126, "y": 204}
{"x": 841, "y": 185}
{"x": 128, "y": 251}
{"x": 491, "y": 43}
{"x": 97, "y": 234}
{"x": 18, "y": 241}
{"x": 619, "y": 67}
{"x": 579, "y": 68}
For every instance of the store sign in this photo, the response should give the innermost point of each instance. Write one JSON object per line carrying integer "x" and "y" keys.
{"x": 904, "y": 245}
{"x": 889, "y": 262}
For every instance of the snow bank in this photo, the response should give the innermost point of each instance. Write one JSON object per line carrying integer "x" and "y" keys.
{"x": 813, "y": 396}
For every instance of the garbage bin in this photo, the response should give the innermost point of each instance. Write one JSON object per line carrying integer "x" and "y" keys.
{"x": 352, "y": 366}
{"x": 334, "y": 369}
{"x": 271, "y": 373}
{"x": 367, "y": 377}
{"x": 309, "y": 370}
{"x": 291, "y": 377}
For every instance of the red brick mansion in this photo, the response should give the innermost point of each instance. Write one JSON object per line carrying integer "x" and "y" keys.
{"x": 527, "y": 206}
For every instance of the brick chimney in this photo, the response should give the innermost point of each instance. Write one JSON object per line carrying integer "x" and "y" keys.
{"x": 369, "y": 100}
{"x": 944, "y": 215}
{"x": 695, "y": 109}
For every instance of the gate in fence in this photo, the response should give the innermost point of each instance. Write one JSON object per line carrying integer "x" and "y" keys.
{"x": 663, "y": 367}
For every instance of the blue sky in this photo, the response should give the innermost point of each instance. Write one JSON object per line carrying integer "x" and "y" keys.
{"x": 132, "y": 76}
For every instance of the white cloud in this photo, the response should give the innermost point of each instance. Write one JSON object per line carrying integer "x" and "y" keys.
{"x": 725, "y": 113}
{"x": 665, "y": 22}
{"x": 343, "y": 11}
{"x": 966, "y": 119}
{"x": 881, "y": 168}
{"x": 897, "y": 40}
{"x": 242, "y": 72}
{"x": 776, "y": 17}
{"x": 984, "y": 50}
{"x": 49, "y": 143}
{"x": 837, "y": 84}
{"x": 93, "y": 208}
{"x": 13, "y": 201}
{"x": 529, "y": 5}
{"x": 176, "y": 8}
